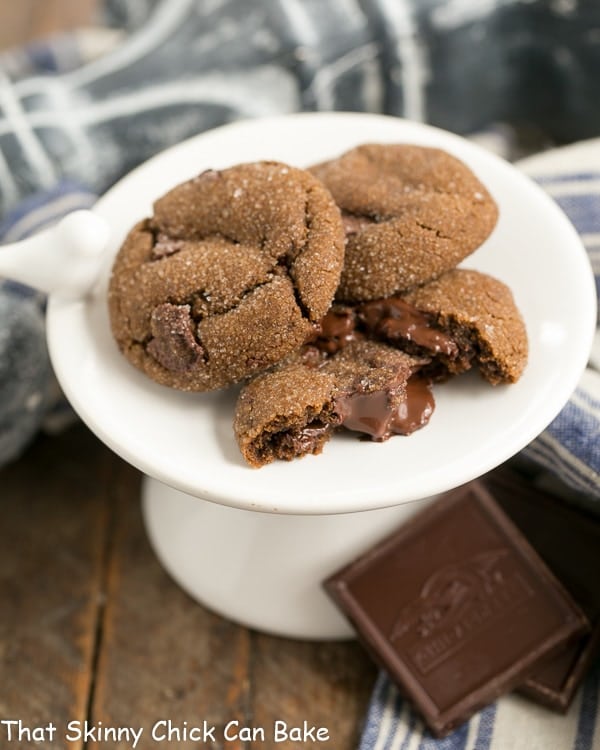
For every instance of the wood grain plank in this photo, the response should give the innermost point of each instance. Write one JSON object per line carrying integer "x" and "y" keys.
{"x": 51, "y": 16}
{"x": 92, "y": 629}
{"x": 323, "y": 684}
{"x": 15, "y": 22}
{"x": 53, "y": 530}
{"x": 163, "y": 657}
{"x": 26, "y": 20}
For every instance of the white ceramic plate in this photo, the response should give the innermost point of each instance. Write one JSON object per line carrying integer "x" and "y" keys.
{"x": 186, "y": 440}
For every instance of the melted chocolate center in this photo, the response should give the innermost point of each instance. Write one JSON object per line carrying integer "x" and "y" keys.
{"x": 395, "y": 320}
{"x": 304, "y": 439}
{"x": 336, "y": 329}
{"x": 415, "y": 411}
{"x": 374, "y": 415}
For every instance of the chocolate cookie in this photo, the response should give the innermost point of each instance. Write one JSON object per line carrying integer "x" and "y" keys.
{"x": 286, "y": 413}
{"x": 294, "y": 409}
{"x": 463, "y": 319}
{"x": 228, "y": 276}
{"x": 410, "y": 212}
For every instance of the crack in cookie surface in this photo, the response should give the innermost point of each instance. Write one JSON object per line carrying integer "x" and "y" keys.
{"x": 254, "y": 255}
{"x": 439, "y": 210}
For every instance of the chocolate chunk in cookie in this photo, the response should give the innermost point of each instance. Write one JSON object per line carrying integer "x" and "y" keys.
{"x": 463, "y": 319}
{"x": 372, "y": 389}
{"x": 294, "y": 409}
{"x": 173, "y": 343}
{"x": 410, "y": 213}
{"x": 228, "y": 276}
{"x": 394, "y": 320}
{"x": 336, "y": 329}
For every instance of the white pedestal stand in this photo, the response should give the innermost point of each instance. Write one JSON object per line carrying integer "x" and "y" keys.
{"x": 262, "y": 570}
{"x": 266, "y": 569}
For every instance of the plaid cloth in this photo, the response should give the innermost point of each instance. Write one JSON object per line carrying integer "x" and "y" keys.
{"x": 30, "y": 397}
{"x": 512, "y": 723}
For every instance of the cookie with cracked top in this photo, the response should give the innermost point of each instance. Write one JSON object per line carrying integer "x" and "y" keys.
{"x": 410, "y": 213}
{"x": 228, "y": 276}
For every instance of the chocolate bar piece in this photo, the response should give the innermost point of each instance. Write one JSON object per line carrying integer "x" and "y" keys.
{"x": 456, "y": 606}
{"x": 568, "y": 540}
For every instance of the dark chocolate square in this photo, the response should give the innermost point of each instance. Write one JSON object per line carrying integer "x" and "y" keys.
{"x": 567, "y": 538}
{"x": 456, "y": 606}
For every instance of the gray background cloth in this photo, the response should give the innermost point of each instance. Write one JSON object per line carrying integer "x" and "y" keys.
{"x": 194, "y": 64}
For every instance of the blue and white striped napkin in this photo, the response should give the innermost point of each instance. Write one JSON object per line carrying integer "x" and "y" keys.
{"x": 512, "y": 723}
{"x": 570, "y": 446}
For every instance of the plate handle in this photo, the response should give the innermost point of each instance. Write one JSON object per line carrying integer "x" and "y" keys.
{"x": 64, "y": 260}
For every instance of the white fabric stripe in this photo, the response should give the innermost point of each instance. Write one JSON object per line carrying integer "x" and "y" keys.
{"x": 583, "y": 156}
{"x": 414, "y": 71}
{"x": 577, "y": 187}
{"x": 523, "y": 725}
{"x": 402, "y": 728}
{"x": 386, "y": 718}
{"x": 56, "y": 209}
{"x": 21, "y": 126}
{"x": 326, "y": 75}
{"x": 595, "y": 356}
{"x": 169, "y": 14}
{"x": 575, "y": 464}
{"x": 558, "y": 458}
{"x": 299, "y": 20}
{"x": 591, "y": 389}
{"x": 70, "y": 127}
{"x": 416, "y": 736}
{"x": 452, "y": 14}
{"x": 473, "y": 731}
{"x": 545, "y": 456}
{"x": 590, "y": 238}
{"x": 8, "y": 186}
{"x": 219, "y": 89}
{"x": 353, "y": 14}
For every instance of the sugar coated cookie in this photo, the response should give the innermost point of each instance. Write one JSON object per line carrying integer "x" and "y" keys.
{"x": 228, "y": 276}
{"x": 410, "y": 213}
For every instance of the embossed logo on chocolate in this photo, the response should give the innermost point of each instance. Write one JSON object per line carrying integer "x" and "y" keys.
{"x": 455, "y": 604}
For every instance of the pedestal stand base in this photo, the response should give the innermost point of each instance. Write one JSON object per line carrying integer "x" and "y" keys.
{"x": 259, "y": 569}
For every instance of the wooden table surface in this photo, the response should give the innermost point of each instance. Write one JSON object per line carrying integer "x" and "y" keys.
{"x": 24, "y": 20}
{"x": 92, "y": 628}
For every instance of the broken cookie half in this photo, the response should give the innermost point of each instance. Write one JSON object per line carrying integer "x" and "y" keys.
{"x": 465, "y": 319}
{"x": 366, "y": 387}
